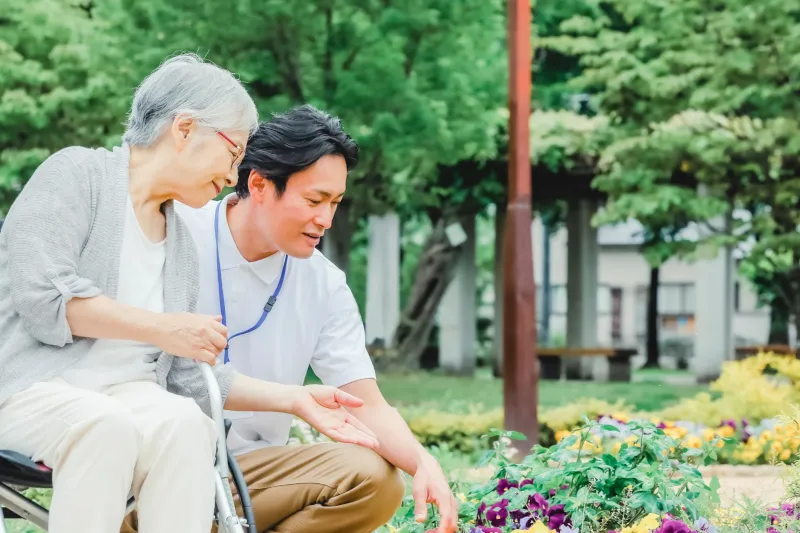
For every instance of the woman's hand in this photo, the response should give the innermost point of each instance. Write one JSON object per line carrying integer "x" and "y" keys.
{"x": 194, "y": 336}
{"x": 324, "y": 408}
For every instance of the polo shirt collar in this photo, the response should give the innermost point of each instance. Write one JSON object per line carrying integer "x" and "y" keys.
{"x": 267, "y": 269}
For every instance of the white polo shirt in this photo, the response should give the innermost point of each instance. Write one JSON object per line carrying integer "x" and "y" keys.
{"x": 315, "y": 322}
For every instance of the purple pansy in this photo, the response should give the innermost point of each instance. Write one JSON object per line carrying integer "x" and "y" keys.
{"x": 504, "y": 485}
{"x": 673, "y": 526}
{"x": 497, "y": 514}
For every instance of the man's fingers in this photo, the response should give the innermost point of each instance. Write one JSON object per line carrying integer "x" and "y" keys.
{"x": 420, "y": 495}
{"x": 347, "y": 400}
{"x": 359, "y": 425}
{"x": 352, "y": 438}
{"x": 362, "y": 438}
{"x": 447, "y": 514}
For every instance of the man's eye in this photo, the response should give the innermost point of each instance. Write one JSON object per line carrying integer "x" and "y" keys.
{"x": 313, "y": 202}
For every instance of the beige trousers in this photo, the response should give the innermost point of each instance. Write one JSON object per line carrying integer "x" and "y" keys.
{"x": 320, "y": 488}
{"x": 135, "y": 438}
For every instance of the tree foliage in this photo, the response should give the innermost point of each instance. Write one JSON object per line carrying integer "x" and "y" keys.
{"x": 51, "y": 94}
{"x": 417, "y": 83}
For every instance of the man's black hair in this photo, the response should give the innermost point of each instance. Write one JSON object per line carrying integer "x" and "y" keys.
{"x": 291, "y": 142}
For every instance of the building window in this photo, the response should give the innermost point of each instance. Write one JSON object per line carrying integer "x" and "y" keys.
{"x": 558, "y": 299}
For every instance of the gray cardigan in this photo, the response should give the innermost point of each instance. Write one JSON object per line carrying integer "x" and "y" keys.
{"x": 62, "y": 239}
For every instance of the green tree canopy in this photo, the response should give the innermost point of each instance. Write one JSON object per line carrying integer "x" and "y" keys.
{"x": 51, "y": 96}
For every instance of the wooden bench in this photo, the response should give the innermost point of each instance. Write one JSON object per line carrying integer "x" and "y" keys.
{"x": 552, "y": 368}
{"x": 742, "y": 352}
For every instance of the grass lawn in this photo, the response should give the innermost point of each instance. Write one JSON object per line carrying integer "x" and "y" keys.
{"x": 437, "y": 391}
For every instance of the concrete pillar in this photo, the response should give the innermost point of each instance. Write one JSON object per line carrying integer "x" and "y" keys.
{"x": 582, "y": 259}
{"x": 714, "y": 289}
{"x": 383, "y": 278}
{"x": 499, "y": 228}
{"x": 458, "y": 313}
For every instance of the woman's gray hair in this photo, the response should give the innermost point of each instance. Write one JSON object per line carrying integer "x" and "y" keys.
{"x": 188, "y": 84}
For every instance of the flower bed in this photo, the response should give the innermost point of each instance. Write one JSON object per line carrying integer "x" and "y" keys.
{"x": 739, "y": 442}
{"x": 745, "y": 404}
{"x": 651, "y": 485}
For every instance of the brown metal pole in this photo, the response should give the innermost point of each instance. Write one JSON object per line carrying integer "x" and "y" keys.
{"x": 520, "y": 364}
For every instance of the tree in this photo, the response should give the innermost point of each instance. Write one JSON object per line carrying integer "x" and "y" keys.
{"x": 750, "y": 168}
{"x": 648, "y": 65}
{"x": 51, "y": 93}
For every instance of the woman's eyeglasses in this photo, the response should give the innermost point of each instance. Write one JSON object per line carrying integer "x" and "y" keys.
{"x": 238, "y": 155}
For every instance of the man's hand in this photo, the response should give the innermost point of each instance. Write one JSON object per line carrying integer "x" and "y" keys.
{"x": 430, "y": 486}
{"x": 324, "y": 408}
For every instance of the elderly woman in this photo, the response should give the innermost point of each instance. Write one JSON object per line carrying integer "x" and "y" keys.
{"x": 98, "y": 278}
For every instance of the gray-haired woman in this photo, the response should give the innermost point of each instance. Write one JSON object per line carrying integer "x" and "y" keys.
{"x": 98, "y": 281}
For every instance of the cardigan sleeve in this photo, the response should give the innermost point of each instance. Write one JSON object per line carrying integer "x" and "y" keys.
{"x": 45, "y": 230}
{"x": 185, "y": 379}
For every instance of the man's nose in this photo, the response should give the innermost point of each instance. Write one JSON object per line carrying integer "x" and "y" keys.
{"x": 325, "y": 218}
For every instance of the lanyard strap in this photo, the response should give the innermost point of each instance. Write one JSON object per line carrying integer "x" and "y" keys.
{"x": 267, "y": 307}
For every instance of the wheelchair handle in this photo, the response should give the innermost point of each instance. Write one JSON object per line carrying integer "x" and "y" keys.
{"x": 215, "y": 399}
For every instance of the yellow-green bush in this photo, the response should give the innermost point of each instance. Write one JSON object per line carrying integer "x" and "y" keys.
{"x": 460, "y": 431}
{"x": 763, "y": 386}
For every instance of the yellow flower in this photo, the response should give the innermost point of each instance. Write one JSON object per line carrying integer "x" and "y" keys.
{"x": 461, "y": 497}
{"x": 693, "y": 441}
{"x": 676, "y": 432}
{"x": 785, "y": 455}
{"x": 622, "y": 417}
{"x": 726, "y": 432}
{"x": 645, "y": 525}
{"x": 562, "y": 434}
{"x": 539, "y": 527}
{"x": 650, "y": 521}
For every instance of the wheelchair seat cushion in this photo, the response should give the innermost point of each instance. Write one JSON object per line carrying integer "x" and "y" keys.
{"x": 19, "y": 469}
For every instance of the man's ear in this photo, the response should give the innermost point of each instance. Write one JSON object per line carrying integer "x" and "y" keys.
{"x": 183, "y": 127}
{"x": 259, "y": 186}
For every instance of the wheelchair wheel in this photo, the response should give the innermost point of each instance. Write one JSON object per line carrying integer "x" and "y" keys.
{"x": 244, "y": 493}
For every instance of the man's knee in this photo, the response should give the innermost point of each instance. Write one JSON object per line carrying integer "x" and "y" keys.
{"x": 383, "y": 481}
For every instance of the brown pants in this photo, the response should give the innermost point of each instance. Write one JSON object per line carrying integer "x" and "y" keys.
{"x": 318, "y": 488}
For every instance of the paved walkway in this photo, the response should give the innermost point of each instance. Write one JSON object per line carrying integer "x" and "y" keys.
{"x": 759, "y": 483}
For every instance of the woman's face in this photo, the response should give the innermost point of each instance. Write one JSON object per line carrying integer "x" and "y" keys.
{"x": 206, "y": 161}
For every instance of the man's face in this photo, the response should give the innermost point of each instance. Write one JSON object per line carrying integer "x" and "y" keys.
{"x": 298, "y": 218}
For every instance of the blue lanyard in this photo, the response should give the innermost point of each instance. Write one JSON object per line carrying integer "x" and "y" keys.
{"x": 267, "y": 307}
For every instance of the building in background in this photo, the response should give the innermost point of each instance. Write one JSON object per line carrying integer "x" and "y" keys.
{"x": 623, "y": 279}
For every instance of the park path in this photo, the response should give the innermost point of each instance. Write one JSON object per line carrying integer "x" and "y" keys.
{"x": 761, "y": 483}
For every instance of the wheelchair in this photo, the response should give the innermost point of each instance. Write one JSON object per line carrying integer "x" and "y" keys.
{"x": 18, "y": 472}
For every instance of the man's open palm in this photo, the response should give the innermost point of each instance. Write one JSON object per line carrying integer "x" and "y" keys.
{"x": 324, "y": 408}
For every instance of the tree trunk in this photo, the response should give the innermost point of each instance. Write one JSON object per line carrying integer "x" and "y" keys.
{"x": 433, "y": 274}
{"x": 652, "y": 320}
{"x": 779, "y": 322}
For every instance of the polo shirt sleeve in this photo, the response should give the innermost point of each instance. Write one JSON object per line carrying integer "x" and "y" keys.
{"x": 341, "y": 354}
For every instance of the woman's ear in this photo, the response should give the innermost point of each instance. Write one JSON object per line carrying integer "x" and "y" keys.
{"x": 183, "y": 127}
